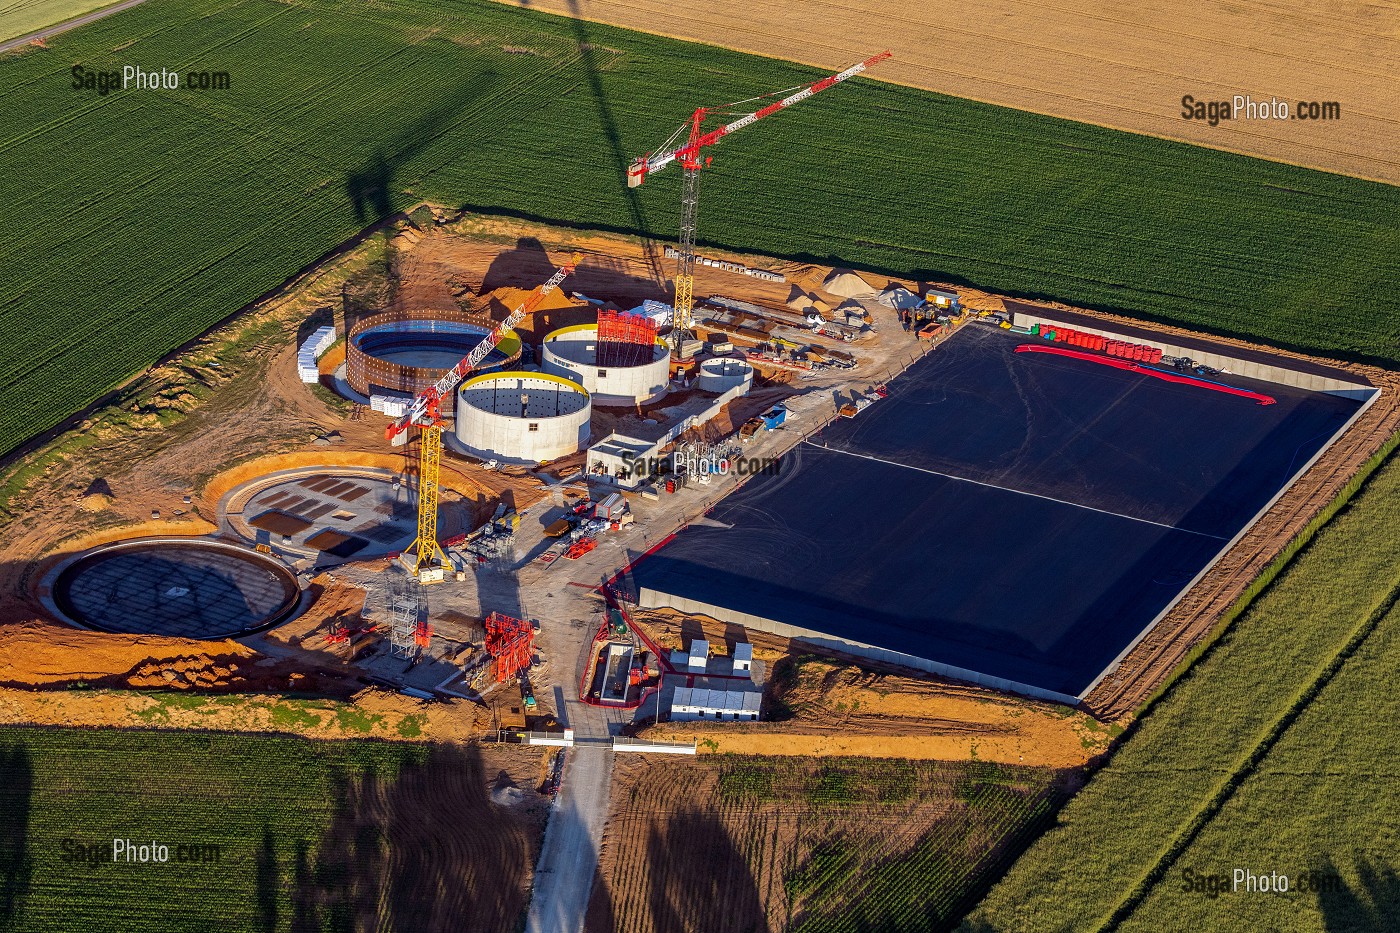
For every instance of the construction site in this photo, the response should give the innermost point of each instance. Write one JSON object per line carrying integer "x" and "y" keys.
{"x": 566, "y": 488}
{"x": 529, "y": 444}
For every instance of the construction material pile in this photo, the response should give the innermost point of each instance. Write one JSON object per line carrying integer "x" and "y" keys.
{"x": 847, "y": 284}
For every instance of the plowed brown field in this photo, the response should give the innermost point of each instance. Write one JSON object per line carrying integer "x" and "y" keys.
{"x": 762, "y": 844}
{"x": 1117, "y": 65}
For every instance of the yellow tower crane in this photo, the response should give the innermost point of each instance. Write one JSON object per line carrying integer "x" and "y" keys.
{"x": 428, "y": 561}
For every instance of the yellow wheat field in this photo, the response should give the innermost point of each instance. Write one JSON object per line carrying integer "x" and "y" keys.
{"x": 1123, "y": 65}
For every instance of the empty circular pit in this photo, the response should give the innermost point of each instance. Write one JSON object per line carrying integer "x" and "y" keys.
{"x": 181, "y": 588}
{"x": 407, "y": 351}
{"x": 724, "y": 373}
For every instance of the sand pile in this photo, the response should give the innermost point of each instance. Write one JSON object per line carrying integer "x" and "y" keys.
{"x": 44, "y": 653}
{"x": 799, "y": 300}
{"x": 847, "y": 284}
{"x": 506, "y": 299}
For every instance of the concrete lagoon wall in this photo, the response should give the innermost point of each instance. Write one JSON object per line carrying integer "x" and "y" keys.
{"x": 522, "y": 417}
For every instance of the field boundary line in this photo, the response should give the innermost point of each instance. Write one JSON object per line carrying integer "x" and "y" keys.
{"x": 62, "y": 26}
{"x": 1275, "y": 569}
{"x": 1019, "y": 492}
{"x": 1301, "y": 703}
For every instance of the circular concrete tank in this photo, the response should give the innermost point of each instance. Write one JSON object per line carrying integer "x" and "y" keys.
{"x": 572, "y": 352}
{"x": 522, "y": 417}
{"x": 178, "y": 587}
{"x": 724, "y": 373}
{"x": 407, "y": 351}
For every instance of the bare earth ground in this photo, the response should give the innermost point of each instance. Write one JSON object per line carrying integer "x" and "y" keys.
{"x": 230, "y": 407}
{"x": 1124, "y": 66}
{"x": 824, "y": 705}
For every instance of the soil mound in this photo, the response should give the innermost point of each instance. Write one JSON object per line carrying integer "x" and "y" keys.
{"x": 847, "y": 284}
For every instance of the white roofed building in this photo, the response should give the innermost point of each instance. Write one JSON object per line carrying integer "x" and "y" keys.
{"x": 692, "y": 703}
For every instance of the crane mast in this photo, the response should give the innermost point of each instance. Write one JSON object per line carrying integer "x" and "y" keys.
{"x": 429, "y": 561}
{"x": 688, "y": 154}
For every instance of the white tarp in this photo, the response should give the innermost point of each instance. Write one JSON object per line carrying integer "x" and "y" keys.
{"x": 899, "y": 298}
{"x": 658, "y": 311}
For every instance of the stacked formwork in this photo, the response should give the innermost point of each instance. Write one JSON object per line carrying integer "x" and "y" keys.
{"x": 625, "y": 339}
{"x": 511, "y": 644}
{"x": 311, "y": 350}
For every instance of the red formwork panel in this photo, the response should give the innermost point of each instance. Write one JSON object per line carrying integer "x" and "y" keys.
{"x": 625, "y": 339}
{"x": 510, "y": 642}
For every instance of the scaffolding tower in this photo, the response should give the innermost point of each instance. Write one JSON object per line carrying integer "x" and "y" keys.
{"x": 511, "y": 644}
{"x": 404, "y": 638}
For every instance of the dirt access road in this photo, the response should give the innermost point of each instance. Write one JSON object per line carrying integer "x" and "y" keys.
{"x": 49, "y": 32}
{"x": 1121, "y": 66}
{"x": 569, "y": 856}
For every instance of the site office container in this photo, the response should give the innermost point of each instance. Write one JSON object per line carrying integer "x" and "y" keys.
{"x": 611, "y": 507}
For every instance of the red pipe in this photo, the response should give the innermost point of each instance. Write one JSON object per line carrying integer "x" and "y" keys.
{"x": 1155, "y": 373}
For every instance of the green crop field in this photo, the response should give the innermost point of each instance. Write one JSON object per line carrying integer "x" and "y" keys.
{"x": 21, "y": 17}
{"x": 1277, "y": 752}
{"x": 140, "y": 218}
{"x": 288, "y": 835}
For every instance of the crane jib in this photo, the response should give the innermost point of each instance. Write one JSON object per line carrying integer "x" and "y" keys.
{"x": 690, "y": 151}
{"x": 429, "y": 398}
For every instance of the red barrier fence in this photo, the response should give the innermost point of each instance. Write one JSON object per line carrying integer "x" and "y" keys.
{"x": 1154, "y": 373}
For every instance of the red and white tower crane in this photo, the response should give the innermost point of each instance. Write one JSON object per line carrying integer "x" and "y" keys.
{"x": 685, "y": 145}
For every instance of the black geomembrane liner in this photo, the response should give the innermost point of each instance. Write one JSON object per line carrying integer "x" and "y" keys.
{"x": 1019, "y": 515}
